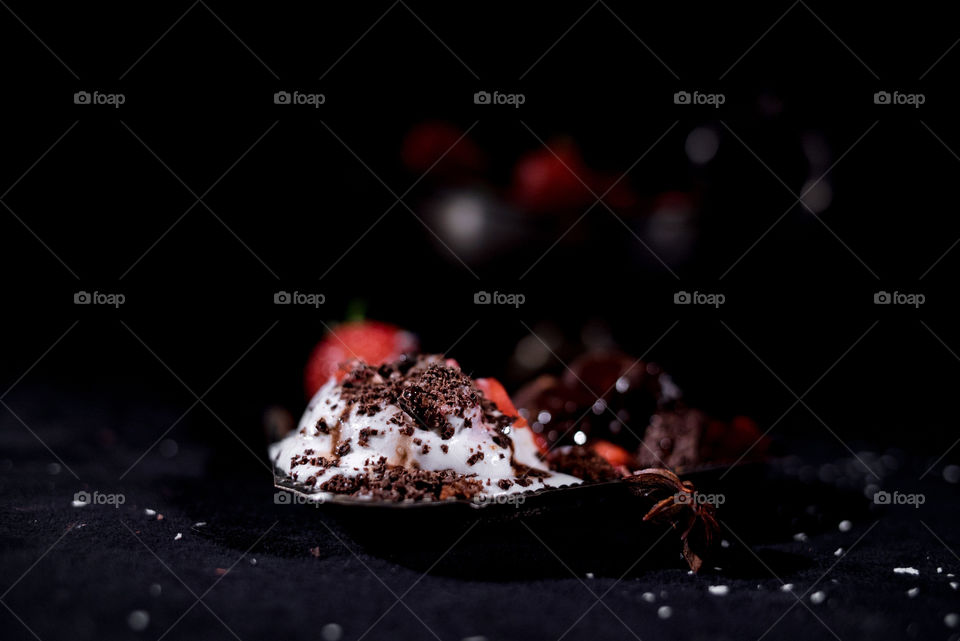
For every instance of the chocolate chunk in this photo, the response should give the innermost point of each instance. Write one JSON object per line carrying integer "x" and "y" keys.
{"x": 364, "y": 439}
{"x": 478, "y": 456}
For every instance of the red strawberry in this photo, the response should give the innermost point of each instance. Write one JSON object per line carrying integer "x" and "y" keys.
{"x": 370, "y": 341}
{"x": 545, "y": 181}
{"x": 495, "y": 392}
{"x": 441, "y": 148}
{"x": 614, "y": 454}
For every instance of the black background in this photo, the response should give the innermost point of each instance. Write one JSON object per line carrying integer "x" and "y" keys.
{"x": 293, "y": 189}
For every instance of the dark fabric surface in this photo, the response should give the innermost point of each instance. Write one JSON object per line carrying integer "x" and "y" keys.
{"x": 78, "y": 573}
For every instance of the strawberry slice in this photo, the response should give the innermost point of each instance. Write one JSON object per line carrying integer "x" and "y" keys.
{"x": 370, "y": 341}
{"x": 614, "y": 454}
{"x": 495, "y": 392}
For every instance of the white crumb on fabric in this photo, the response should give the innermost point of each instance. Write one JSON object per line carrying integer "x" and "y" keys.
{"x": 845, "y": 526}
{"x": 910, "y": 571}
{"x": 912, "y": 592}
{"x": 818, "y": 597}
{"x": 719, "y": 590}
{"x": 786, "y": 587}
{"x": 838, "y": 552}
{"x": 649, "y": 597}
{"x": 149, "y": 512}
{"x": 665, "y": 612}
{"x": 178, "y": 536}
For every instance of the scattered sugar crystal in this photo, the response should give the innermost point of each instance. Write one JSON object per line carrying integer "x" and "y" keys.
{"x": 331, "y": 632}
{"x": 139, "y": 620}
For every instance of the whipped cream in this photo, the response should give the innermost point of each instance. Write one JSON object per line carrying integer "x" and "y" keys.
{"x": 339, "y": 435}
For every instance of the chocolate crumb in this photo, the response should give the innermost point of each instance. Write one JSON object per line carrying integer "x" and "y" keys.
{"x": 364, "y": 439}
{"x": 505, "y": 484}
{"x": 344, "y": 448}
{"x": 322, "y": 426}
{"x": 444, "y": 448}
{"x": 474, "y": 458}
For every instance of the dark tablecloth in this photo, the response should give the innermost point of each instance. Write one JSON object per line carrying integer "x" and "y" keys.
{"x": 198, "y": 549}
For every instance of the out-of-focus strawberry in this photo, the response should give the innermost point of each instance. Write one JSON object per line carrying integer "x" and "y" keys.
{"x": 441, "y": 148}
{"x": 495, "y": 392}
{"x": 729, "y": 441}
{"x": 548, "y": 180}
{"x": 370, "y": 341}
{"x": 614, "y": 454}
